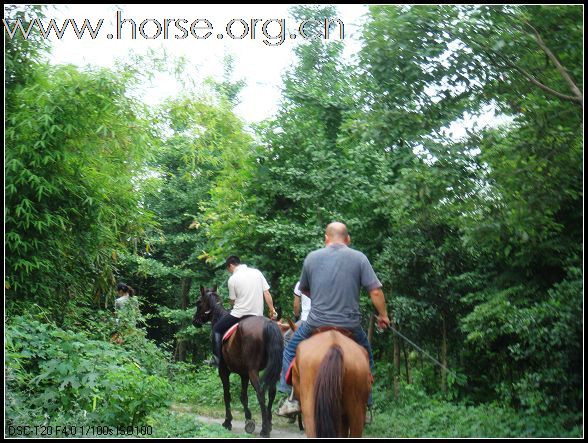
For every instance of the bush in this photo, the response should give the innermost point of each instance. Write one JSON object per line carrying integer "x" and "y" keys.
{"x": 416, "y": 414}
{"x": 50, "y": 371}
{"x": 441, "y": 419}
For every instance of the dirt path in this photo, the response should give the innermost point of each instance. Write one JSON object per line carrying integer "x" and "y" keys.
{"x": 280, "y": 426}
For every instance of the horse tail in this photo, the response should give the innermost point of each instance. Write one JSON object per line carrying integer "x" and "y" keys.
{"x": 274, "y": 348}
{"x": 328, "y": 393}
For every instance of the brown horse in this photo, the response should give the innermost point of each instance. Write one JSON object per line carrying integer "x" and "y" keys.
{"x": 331, "y": 377}
{"x": 256, "y": 345}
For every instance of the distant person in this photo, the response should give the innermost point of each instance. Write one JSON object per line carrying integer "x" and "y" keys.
{"x": 126, "y": 311}
{"x": 124, "y": 292}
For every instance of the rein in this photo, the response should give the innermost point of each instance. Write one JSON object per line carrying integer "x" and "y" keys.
{"x": 421, "y": 350}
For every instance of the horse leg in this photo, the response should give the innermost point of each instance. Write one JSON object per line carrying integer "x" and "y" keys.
{"x": 266, "y": 425}
{"x": 249, "y": 423}
{"x": 244, "y": 397}
{"x": 271, "y": 397}
{"x": 356, "y": 423}
{"x": 355, "y": 407}
{"x": 307, "y": 408}
{"x": 344, "y": 431}
{"x": 223, "y": 371}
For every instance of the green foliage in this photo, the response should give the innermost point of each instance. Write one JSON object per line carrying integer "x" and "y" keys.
{"x": 130, "y": 394}
{"x": 418, "y": 414}
{"x": 529, "y": 334}
{"x": 21, "y": 54}
{"x": 273, "y": 210}
{"x": 56, "y": 371}
{"x": 482, "y": 229}
{"x": 204, "y": 144}
{"x": 435, "y": 419}
{"x": 477, "y": 239}
{"x": 167, "y": 424}
{"x": 199, "y": 386}
{"x": 73, "y": 145}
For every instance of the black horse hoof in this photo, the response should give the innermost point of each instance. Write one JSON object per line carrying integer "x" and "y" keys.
{"x": 227, "y": 425}
{"x": 249, "y": 426}
{"x": 264, "y": 434}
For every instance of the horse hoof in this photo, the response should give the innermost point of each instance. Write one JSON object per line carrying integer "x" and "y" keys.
{"x": 249, "y": 426}
{"x": 264, "y": 434}
{"x": 227, "y": 425}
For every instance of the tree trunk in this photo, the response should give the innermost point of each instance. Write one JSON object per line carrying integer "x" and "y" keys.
{"x": 407, "y": 364}
{"x": 194, "y": 353}
{"x": 182, "y": 345}
{"x": 396, "y": 369}
{"x": 444, "y": 355}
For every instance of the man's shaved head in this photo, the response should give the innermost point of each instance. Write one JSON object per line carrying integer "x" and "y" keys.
{"x": 337, "y": 231}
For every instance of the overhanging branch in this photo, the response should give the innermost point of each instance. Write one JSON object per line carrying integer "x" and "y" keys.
{"x": 564, "y": 73}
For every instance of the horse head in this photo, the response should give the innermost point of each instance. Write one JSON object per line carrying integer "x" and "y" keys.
{"x": 205, "y": 305}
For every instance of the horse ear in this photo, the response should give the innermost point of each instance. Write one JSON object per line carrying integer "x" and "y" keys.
{"x": 214, "y": 288}
{"x": 201, "y": 290}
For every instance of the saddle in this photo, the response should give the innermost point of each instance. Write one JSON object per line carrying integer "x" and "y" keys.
{"x": 288, "y": 376}
{"x": 233, "y": 328}
{"x": 230, "y": 332}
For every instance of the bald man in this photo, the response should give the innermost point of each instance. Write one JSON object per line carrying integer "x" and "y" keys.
{"x": 333, "y": 277}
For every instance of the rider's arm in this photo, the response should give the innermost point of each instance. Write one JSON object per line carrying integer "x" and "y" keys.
{"x": 270, "y": 304}
{"x": 232, "y": 292}
{"x": 377, "y": 296}
{"x": 296, "y": 306}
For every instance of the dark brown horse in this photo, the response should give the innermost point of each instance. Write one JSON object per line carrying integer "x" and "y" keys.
{"x": 256, "y": 345}
{"x": 331, "y": 377}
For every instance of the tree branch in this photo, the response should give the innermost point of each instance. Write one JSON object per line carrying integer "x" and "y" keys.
{"x": 564, "y": 73}
{"x": 536, "y": 82}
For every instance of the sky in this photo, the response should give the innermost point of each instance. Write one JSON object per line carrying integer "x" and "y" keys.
{"x": 261, "y": 65}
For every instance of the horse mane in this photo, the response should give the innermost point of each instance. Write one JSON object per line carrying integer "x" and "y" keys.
{"x": 216, "y": 305}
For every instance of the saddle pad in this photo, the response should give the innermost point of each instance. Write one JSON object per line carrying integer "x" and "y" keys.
{"x": 230, "y": 331}
{"x": 289, "y": 372}
{"x": 345, "y": 332}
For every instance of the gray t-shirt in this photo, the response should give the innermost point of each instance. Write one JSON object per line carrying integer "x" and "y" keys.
{"x": 334, "y": 276}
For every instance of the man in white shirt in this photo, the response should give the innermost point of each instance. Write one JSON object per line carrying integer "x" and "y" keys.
{"x": 300, "y": 301}
{"x": 248, "y": 288}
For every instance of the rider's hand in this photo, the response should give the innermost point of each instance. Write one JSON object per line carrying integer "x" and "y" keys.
{"x": 274, "y": 315}
{"x": 383, "y": 321}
